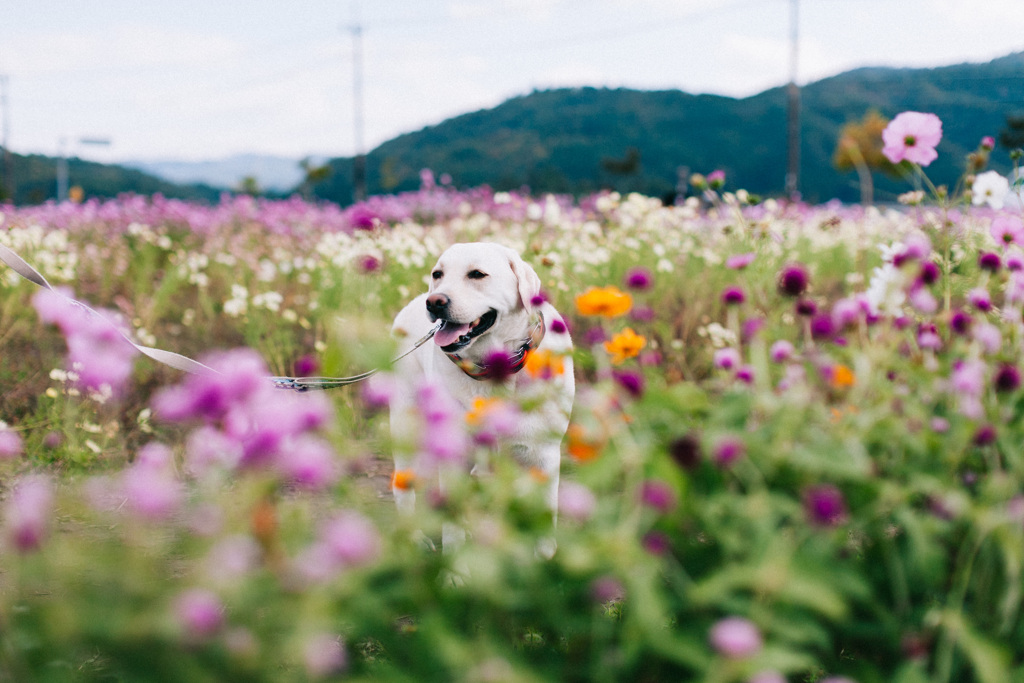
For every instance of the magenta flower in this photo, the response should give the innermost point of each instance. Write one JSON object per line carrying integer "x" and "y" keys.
{"x": 631, "y": 381}
{"x": 736, "y": 638}
{"x": 989, "y": 261}
{"x": 199, "y": 613}
{"x": 781, "y": 351}
{"x": 658, "y": 495}
{"x": 824, "y": 505}
{"x": 793, "y": 280}
{"x": 639, "y": 279}
{"x": 726, "y": 359}
{"x": 1007, "y": 378}
{"x": 27, "y": 512}
{"x": 912, "y": 136}
{"x": 151, "y": 490}
{"x": 980, "y": 299}
{"x": 733, "y": 296}
{"x": 728, "y": 450}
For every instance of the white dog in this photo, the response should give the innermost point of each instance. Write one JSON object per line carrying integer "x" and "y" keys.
{"x": 488, "y": 300}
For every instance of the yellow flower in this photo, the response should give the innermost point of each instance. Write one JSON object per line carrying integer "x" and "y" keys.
{"x": 544, "y": 364}
{"x": 626, "y": 344}
{"x": 609, "y": 302}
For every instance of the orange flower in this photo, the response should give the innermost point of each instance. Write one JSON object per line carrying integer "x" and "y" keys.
{"x": 581, "y": 446}
{"x": 609, "y": 302}
{"x": 544, "y": 364}
{"x": 626, "y": 344}
{"x": 842, "y": 377}
{"x": 403, "y": 480}
{"x": 481, "y": 406}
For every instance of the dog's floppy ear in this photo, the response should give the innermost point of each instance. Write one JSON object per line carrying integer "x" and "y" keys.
{"x": 526, "y": 276}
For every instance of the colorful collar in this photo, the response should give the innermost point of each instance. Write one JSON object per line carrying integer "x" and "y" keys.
{"x": 516, "y": 361}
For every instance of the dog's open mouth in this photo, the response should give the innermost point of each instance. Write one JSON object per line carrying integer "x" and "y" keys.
{"x": 454, "y": 336}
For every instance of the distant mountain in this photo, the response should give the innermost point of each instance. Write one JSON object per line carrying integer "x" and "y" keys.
{"x": 35, "y": 181}
{"x": 583, "y": 139}
{"x": 274, "y": 173}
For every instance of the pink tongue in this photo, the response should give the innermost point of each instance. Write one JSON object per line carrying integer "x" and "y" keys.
{"x": 450, "y": 333}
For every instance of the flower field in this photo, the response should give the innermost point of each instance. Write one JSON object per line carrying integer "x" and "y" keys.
{"x": 795, "y": 454}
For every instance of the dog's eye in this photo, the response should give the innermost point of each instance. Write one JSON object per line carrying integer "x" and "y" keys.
{"x": 436, "y": 274}
{"x": 476, "y": 275}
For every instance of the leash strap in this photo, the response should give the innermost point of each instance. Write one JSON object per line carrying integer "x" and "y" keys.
{"x": 175, "y": 360}
{"x": 184, "y": 363}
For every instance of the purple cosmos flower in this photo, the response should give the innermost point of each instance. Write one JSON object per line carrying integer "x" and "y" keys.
{"x": 658, "y": 495}
{"x": 960, "y": 322}
{"x": 231, "y": 558}
{"x": 989, "y": 261}
{"x": 728, "y": 450}
{"x": 607, "y": 589}
{"x": 733, "y": 296}
{"x": 656, "y": 543}
{"x": 793, "y": 280}
{"x": 930, "y": 273}
{"x": 369, "y": 263}
{"x": 27, "y": 512}
{"x": 639, "y": 279}
{"x": 980, "y": 299}
{"x": 151, "y": 490}
{"x": 736, "y": 638}
{"x": 745, "y": 374}
{"x": 199, "y": 612}
{"x": 845, "y": 313}
{"x": 630, "y": 380}
{"x": 1007, "y": 378}
{"x": 824, "y": 505}
{"x": 498, "y": 365}
{"x": 306, "y": 366}
{"x": 968, "y": 377}
{"x": 985, "y": 435}
{"x": 912, "y": 136}
{"x": 726, "y": 359}
{"x": 781, "y": 351}
{"x": 685, "y": 451}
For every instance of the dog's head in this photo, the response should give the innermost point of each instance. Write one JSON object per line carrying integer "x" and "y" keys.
{"x": 480, "y": 290}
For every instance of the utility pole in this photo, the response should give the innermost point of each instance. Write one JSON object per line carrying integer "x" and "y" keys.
{"x": 7, "y": 185}
{"x": 359, "y": 161}
{"x": 793, "y": 106}
{"x": 62, "y": 161}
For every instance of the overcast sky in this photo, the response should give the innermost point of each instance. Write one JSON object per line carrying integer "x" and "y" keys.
{"x": 190, "y": 79}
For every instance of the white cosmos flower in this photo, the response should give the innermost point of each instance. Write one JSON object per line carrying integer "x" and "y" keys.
{"x": 990, "y": 188}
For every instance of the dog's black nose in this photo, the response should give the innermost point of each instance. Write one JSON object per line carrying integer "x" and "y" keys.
{"x": 437, "y": 304}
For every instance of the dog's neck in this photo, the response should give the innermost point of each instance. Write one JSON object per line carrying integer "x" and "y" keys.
{"x": 479, "y": 369}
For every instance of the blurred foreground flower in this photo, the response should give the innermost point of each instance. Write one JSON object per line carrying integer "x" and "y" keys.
{"x": 824, "y": 505}
{"x": 609, "y": 302}
{"x": 27, "y": 512}
{"x": 11, "y": 443}
{"x": 989, "y": 188}
{"x": 912, "y": 136}
{"x": 736, "y": 638}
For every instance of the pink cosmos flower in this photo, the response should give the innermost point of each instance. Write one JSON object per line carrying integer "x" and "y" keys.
{"x": 10, "y": 443}
{"x": 736, "y": 638}
{"x": 324, "y": 655}
{"x": 576, "y": 501}
{"x": 27, "y": 513}
{"x": 912, "y": 136}
{"x": 1007, "y": 229}
{"x": 199, "y": 612}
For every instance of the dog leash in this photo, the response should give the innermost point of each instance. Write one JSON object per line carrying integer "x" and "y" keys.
{"x": 184, "y": 363}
